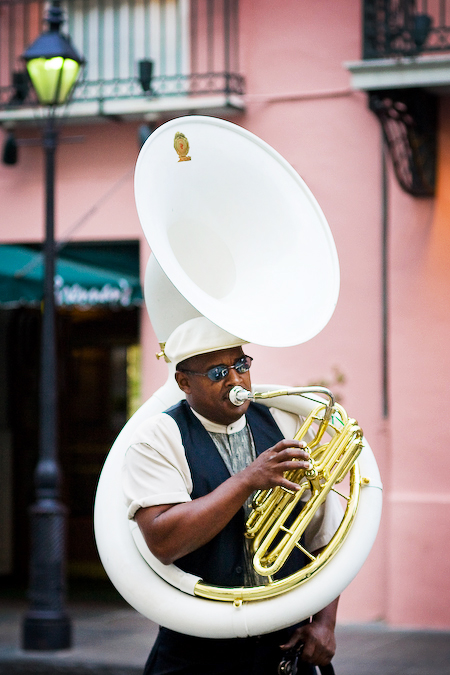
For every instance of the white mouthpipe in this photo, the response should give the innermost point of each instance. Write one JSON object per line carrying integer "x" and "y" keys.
{"x": 238, "y": 395}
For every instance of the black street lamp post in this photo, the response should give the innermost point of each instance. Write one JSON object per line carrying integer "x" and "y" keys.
{"x": 53, "y": 65}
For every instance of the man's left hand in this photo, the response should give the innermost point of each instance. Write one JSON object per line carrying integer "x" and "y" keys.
{"x": 317, "y": 637}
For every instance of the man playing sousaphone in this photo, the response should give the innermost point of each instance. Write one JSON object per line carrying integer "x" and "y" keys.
{"x": 189, "y": 477}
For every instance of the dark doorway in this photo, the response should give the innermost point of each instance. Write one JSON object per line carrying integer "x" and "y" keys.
{"x": 98, "y": 390}
{"x": 98, "y": 374}
{"x": 97, "y": 397}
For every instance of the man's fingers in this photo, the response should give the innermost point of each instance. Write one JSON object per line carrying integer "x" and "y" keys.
{"x": 286, "y": 455}
{"x": 296, "y": 640}
{"x": 290, "y": 450}
{"x": 286, "y": 443}
{"x": 292, "y": 453}
{"x": 287, "y": 485}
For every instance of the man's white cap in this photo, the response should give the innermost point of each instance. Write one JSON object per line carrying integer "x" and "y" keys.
{"x": 198, "y": 336}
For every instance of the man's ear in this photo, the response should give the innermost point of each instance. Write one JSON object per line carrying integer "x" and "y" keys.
{"x": 183, "y": 381}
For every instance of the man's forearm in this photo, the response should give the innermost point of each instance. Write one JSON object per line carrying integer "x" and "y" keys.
{"x": 327, "y": 615}
{"x": 172, "y": 532}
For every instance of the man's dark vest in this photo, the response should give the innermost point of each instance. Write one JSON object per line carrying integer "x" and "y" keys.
{"x": 221, "y": 561}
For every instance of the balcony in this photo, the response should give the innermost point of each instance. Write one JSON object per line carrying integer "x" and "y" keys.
{"x": 405, "y": 28}
{"x": 405, "y": 66}
{"x": 144, "y": 58}
{"x": 406, "y": 43}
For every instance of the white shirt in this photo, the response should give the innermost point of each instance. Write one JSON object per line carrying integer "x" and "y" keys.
{"x": 156, "y": 470}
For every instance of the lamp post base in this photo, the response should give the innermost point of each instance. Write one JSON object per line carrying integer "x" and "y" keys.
{"x": 46, "y": 631}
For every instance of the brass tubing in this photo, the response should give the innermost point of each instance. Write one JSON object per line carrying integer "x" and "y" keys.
{"x": 268, "y": 562}
{"x": 273, "y": 507}
{"x": 268, "y": 499}
{"x": 246, "y": 594}
{"x": 330, "y": 463}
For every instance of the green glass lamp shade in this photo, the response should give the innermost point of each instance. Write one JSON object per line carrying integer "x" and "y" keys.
{"x": 53, "y": 79}
{"x": 53, "y": 65}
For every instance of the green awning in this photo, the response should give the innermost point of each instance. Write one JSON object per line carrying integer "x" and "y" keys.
{"x": 79, "y": 281}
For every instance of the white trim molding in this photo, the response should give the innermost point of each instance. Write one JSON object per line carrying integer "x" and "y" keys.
{"x": 147, "y": 109}
{"x": 430, "y": 72}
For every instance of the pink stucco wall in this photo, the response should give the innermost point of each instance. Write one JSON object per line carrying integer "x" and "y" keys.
{"x": 419, "y": 499}
{"x": 97, "y": 161}
{"x": 299, "y": 100}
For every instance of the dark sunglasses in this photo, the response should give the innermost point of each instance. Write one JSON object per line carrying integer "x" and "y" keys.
{"x": 217, "y": 373}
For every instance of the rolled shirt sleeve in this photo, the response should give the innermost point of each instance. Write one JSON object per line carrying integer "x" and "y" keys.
{"x": 155, "y": 470}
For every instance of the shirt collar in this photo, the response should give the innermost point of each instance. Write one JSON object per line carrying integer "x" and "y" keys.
{"x": 215, "y": 428}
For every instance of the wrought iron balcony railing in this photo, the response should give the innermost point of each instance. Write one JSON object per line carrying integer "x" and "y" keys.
{"x": 134, "y": 49}
{"x": 405, "y": 27}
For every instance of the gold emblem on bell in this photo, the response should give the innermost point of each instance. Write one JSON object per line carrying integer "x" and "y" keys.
{"x": 181, "y": 145}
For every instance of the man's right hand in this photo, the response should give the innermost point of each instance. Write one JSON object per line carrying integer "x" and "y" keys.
{"x": 267, "y": 470}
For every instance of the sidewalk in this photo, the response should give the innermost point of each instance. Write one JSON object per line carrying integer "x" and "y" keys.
{"x": 112, "y": 639}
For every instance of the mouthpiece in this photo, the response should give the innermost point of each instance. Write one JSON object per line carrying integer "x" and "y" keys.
{"x": 238, "y": 395}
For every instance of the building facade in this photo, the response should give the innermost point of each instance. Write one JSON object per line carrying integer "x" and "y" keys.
{"x": 354, "y": 96}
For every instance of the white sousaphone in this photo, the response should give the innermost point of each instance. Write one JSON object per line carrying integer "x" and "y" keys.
{"x": 236, "y": 236}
